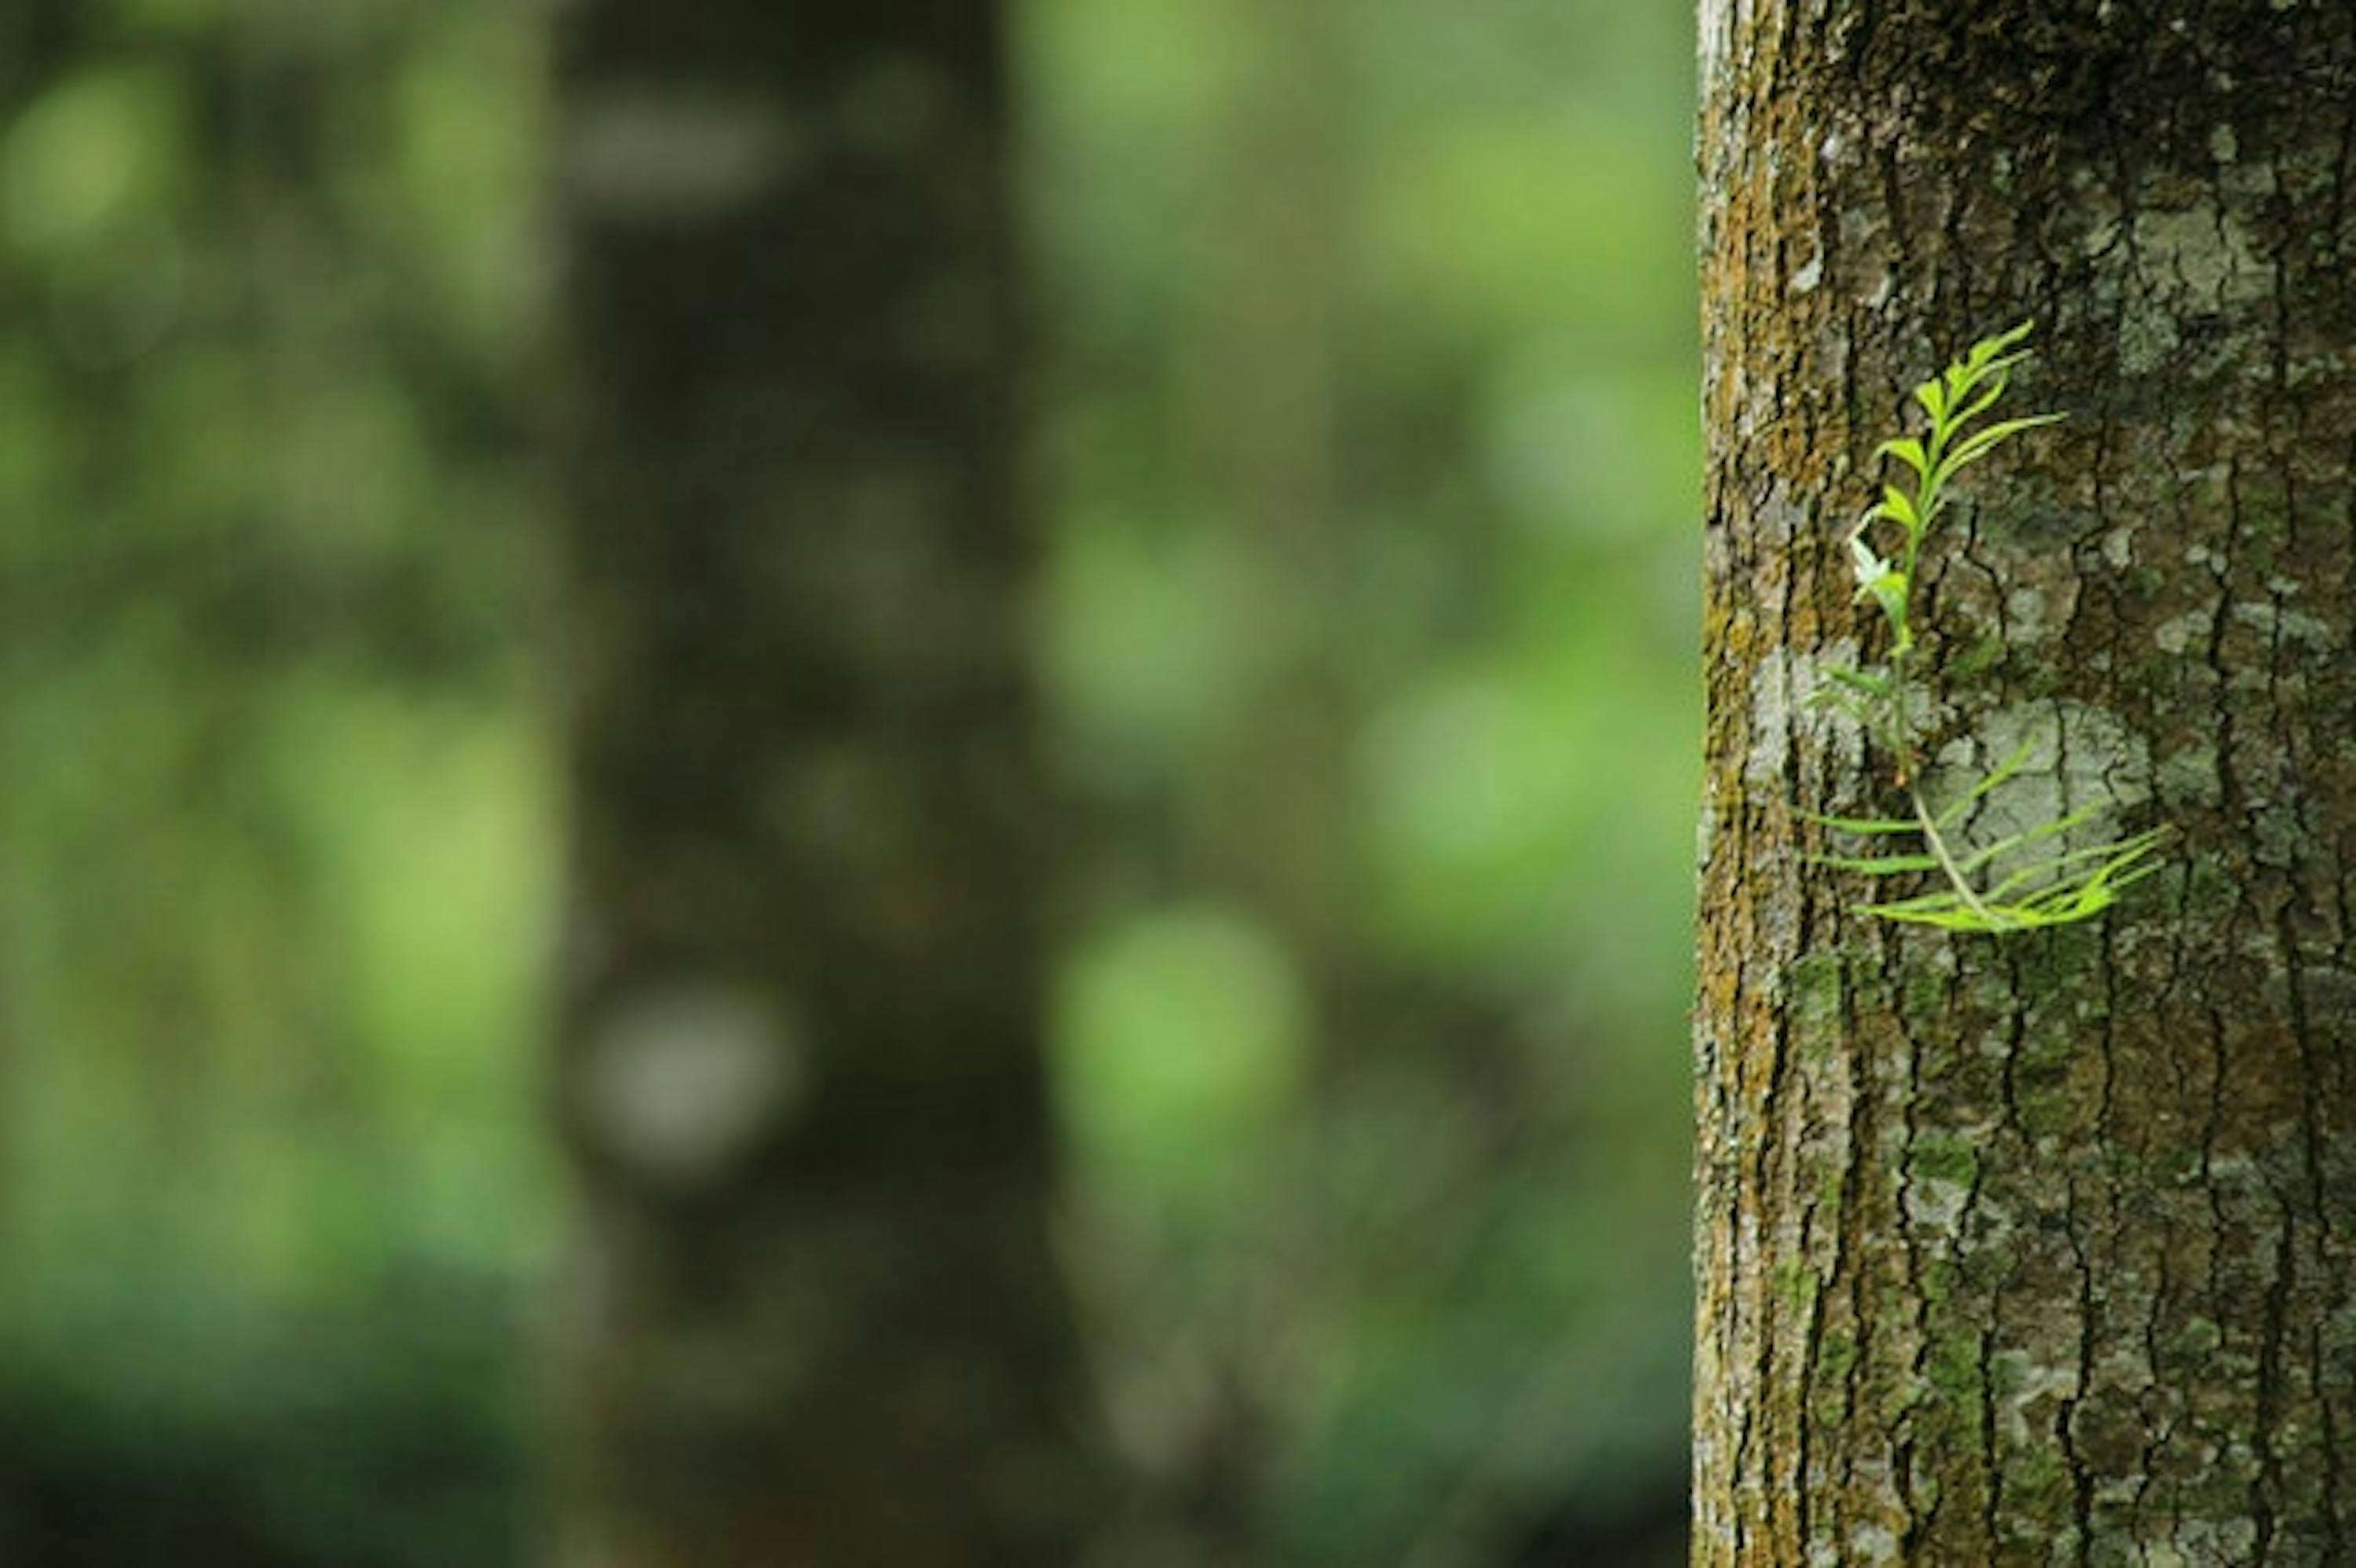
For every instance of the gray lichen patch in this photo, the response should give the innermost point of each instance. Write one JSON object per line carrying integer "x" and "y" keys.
{"x": 2013, "y": 588}
{"x": 1813, "y": 988}
{"x": 2072, "y": 757}
{"x": 2309, "y": 634}
{"x": 2025, "y": 614}
{"x": 2147, "y": 336}
{"x": 1786, "y": 708}
{"x": 2029, "y": 1395}
{"x": 1773, "y": 701}
{"x": 1712, "y": 34}
{"x": 1873, "y": 1543}
{"x": 657, "y": 154}
{"x": 681, "y": 1084}
{"x": 2191, "y": 777}
{"x": 2204, "y": 253}
{"x": 2183, "y": 633}
{"x": 1937, "y": 1204}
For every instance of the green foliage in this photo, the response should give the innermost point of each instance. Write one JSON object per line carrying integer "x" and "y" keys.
{"x": 278, "y": 875}
{"x": 2020, "y": 881}
{"x": 1431, "y": 472}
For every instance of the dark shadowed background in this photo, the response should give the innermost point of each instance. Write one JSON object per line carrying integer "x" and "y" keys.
{"x": 1363, "y": 449}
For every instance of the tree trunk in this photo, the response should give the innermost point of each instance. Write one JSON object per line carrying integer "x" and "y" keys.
{"x": 817, "y": 1317}
{"x": 2035, "y": 1248}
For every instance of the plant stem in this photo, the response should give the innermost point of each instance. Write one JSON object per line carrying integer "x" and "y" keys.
{"x": 1946, "y": 859}
{"x": 1902, "y": 738}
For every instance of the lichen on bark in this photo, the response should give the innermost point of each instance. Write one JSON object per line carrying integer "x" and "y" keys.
{"x": 2035, "y": 1249}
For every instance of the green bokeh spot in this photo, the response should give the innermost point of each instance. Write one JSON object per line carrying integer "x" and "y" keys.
{"x": 92, "y": 151}
{"x": 1179, "y": 1033}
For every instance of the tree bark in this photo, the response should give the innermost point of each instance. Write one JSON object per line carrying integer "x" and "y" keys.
{"x": 2040, "y": 1248}
{"x": 816, "y": 1317}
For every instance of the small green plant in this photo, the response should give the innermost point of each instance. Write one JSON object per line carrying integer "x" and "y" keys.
{"x": 2025, "y": 880}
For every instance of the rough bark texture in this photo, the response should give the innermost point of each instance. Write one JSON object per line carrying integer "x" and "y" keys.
{"x": 816, "y": 1317}
{"x": 2042, "y": 1249}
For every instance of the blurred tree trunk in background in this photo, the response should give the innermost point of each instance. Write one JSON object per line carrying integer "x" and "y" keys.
{"x": 2037, "y": 1248}
{"x": 817, "y": 1317}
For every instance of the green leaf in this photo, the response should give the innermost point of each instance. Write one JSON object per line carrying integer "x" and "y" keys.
{"x": 1992, "y": 355}
{"x": 1908, "y": 451}
{"x": 1980, "y": 404}
{"x": 1861, "y": 825}
{"x": 2053, "y": 866}
{"x": 1978, "y": 444}
{"x": 1889, "y": 590}
{"x": 1862, "y": 680}
{"x": 1877, "y": 865}
{"x": 2058, "y": 826}
{"x": 1993, "y": 347}
{"x": 1899, "y": 507}
{"x": 1927, "y": 907}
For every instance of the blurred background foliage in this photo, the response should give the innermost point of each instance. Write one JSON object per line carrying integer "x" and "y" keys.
{"x": 1366, "y": 460}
